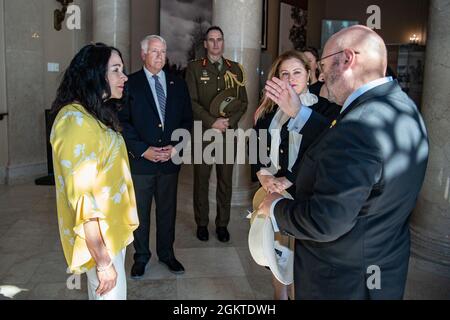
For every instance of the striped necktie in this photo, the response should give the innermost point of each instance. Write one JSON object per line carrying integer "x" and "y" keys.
{"x": 161, "y": 97}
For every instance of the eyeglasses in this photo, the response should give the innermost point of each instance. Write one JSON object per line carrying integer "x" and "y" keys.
{"x": 319, "y": 65}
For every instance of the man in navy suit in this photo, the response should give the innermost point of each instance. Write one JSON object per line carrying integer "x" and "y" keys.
{"x": 159, "y": 104}
{"x": 358, "y": 181}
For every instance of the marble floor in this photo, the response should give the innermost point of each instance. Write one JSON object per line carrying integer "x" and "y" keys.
{"x": 31, "y": 257}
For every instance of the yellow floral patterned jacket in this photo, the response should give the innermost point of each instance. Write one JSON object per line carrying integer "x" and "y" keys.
{"x": 93, "y": 180}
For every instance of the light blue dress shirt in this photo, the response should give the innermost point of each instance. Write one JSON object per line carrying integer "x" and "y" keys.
{"x": 363, "y": 89}
{"x": 300, "y": 120}
{"x": 151, "y": 82}
{"x": 296, "y": 124}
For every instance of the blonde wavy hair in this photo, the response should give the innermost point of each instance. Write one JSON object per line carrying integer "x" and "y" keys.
{"x": 266, "y": 105}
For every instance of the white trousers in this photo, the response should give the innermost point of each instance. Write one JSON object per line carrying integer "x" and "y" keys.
{"x": 119, "y": 292}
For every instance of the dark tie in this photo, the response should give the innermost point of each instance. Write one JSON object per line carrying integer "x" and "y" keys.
{"x": 217, "y": 65}
{"x": 161, "y": 97}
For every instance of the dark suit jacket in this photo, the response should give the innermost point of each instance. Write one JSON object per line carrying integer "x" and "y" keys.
{"x": 323, "y": 108}
{"x": 356, "y": 187}
{"x": 142, "y": 126}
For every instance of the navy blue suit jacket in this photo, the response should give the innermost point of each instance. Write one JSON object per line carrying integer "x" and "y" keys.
{"x": 357, "y": 185}
{"x": 142, "y": 126}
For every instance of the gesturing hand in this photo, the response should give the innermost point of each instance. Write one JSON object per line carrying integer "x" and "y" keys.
{"x": 284, "y": 96}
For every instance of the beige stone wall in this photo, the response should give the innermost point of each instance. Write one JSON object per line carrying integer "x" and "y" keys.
{"x": 25, "y": 85}
{"x": 27, "y": 88}
{"x": 3, "y": 106}
{"x": 430, "y": 223}
{"x": 30, "y": 43}
{"x": 61, "y": 46}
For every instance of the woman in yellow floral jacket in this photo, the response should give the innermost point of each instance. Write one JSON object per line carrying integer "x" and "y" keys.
{"x": 94, "y": 191}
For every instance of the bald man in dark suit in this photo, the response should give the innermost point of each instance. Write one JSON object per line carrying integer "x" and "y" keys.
{"x": 358, "y": 182}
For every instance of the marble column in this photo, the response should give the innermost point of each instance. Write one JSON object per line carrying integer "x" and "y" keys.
{"x": 111, "y": 25}
{"x": 241, "y": 24}
{"x": 3, "y": 104}
{"x": 430, "y": 223}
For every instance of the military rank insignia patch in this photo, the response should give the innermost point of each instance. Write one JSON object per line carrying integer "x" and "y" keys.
{"x": 205, "y": 76}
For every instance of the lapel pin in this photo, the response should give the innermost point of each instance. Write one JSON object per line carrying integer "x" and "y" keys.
{"x": 333, "y": 123}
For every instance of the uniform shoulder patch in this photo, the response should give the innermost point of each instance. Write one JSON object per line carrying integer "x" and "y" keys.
{"x": 229, "y": 63}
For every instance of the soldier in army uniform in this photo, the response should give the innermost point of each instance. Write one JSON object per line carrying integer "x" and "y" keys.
{"x": 207, "y": 78}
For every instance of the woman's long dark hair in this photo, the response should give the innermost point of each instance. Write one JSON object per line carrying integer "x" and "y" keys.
{"x": 85, "y": 82}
